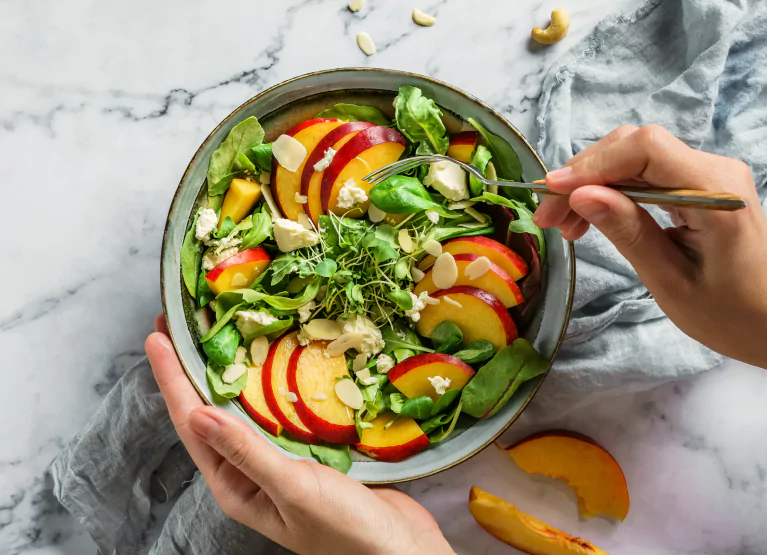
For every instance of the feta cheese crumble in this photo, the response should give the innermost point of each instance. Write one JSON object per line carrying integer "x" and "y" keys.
{"x": 325, "y": 161}
{"x": 206, "y": 223}
{"x": 419, "y": 303}
{"x": 350, "y": 194}
{"x": 439, "y": 384}
{"x": 249, "y": 321}
{"x": 384, "y": 363}
{"x": 291, "y": 235}
{"x": 305, "y": 311}
{"x": 301, "y": 199}
{"x": 449, "y": 179}
{"x": 213, "y": 258}
{"x": 358, "y": 333}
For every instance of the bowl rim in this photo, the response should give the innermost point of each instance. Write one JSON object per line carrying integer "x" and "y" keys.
{"x": 403, "y": 74}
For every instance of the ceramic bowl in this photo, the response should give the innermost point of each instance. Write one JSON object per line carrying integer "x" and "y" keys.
{"x": 292, "y": 101}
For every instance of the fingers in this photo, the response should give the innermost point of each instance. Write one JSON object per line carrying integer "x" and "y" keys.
{"x": 613, "y": 136}
{"x": 552, "y": 211}
{"x": 159, "y": 324}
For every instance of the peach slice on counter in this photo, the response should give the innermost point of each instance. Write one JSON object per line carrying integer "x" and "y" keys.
{"x": 313, "y": 376}
{"x": 462, "y": 146}
{"x": 238, "y": 271}
{"x": 498, "y": 253}
{"x": 403, "y": 439}
{"x": 510, "y": 525}
{"x": 253, "y": 401}
{"x": 480, "y": 316}
{"x": 495, "y": 281}
{"x": 287, "y": 184}
{"x": 582, "y": 464}
{"x": 240, "y": 199}
{"x": 366, "y": 152}
{"x": 274, "y": 381}
{"x": 411, "y": 376}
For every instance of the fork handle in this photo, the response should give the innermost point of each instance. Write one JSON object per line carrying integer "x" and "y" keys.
{"x": 682, "y": 198}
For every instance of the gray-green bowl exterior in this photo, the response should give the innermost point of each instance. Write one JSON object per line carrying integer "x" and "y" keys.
{"x": 547, "y": 330}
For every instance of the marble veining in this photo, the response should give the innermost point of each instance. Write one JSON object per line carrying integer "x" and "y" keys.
{"x": 102, "y": 104}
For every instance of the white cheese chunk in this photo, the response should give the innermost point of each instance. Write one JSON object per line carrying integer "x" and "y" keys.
{"x": 206, "y": 223}
{"x": 359, "y": 333}
{"x": 291, "y": 235}
{"x": 419, "y": 303}
{"x": 213, "y": 258}
{"x": 301, "y": 199}
{"x": 350, "y": 194}
{"x": 250, "y": 321}
{"x": 384, "y": 363}
{"x": 289, "y": 152}
{"x": 449, "y": 179}
{"x": 325, "y": 161}
{"x": 439, "y": 384}
{"x": 305, "y": 311}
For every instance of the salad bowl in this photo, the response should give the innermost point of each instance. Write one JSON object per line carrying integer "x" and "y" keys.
{"x": 280, "y": 108}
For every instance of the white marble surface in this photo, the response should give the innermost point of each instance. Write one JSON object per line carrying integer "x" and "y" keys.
{"x": 102, "y": 103}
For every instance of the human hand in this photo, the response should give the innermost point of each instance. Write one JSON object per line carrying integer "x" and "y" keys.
{"x": 302, "y": 505}
{"x": 709, "y": 274}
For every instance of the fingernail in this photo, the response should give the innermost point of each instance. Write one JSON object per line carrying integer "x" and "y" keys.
{"x": 204, "y": 425}
{"x": 559, "y": 176}
{"x": 595, "y": 212}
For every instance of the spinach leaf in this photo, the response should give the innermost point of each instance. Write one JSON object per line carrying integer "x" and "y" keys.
{"x": 401, "y": 337}
{"x": 261, "y": 156}
{"x": 440, "y": 433}
{"x": 419, "y": 119}
{"x": 243, "y": 163}
{"x": 222, "y": 346}
{"x": 290, "y": 444}
{"x": 444, "y": 233}
{"x": 225, "y": 228}
{"x": 219, "y": 387}
{"x": 447, "y": 337}
{"x": 191, "y": 258}
{"x": 493, "y": 385}
{"x": 396, "y": 401}
{"x": 326, "y": 268}
{"x": 218, "y": 188}
{"x": 261, "y": 229}
{"x": 276, "y": 301}
{"x": 401, "y": 194}
{"x": 204, "y": 294}
{"x": 435, "y": 422}
{"x": 337, "y": 457}
{"x": 479, "y": 160}
{"x": 401, "y": 298}
{"x": 524, "y": 222}
{"x": 402, "y": 354}
{"x": 505, "y": 158}
{"x": 355, "y": 112}
{"x": 273, "y": 330}
{"x": 477, "y": 351}
{"x": 445, "y": 401}
{"x": 243, "y": 136}
{"x": 417, "y": 407}
{"x": 222, "y": 318}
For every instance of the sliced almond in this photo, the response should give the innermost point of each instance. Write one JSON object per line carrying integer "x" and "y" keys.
{"x": 365, "y": 378}
{"x": 490, "y": 173}
{"x": 305, "y": 221}
{"x": 475, "y": 214}
{"x": 432, "y": 247}
{"x": 265, "y": 178}
{"x": 423, "y": 19}
{"x": 267, "y": 192}
{"x": 239, "y": 280}
{"x": 239, "y": 356}
{"x": 291, "y": 397}
{"x": 233, "y": 373}
{"x": 417, "y": 274}
{"x": 349, "y": 394}
{"x": 359, "y": 362}
{"x": 301, "y": 199}
{"x": 472, "y": 225}
{"x": 432, "y": 216}
{"x": 461, "y": 205}
{"x": 405, "y": 241}
{"x": 319, "y": 396}
{"x": 259, "y": 348}
{"x": 445, "y": 272}
{"x": 356, "y": 5}
{"x": 365, "y": 43}
{"x": 281, "y": 390}
{"x": 477, "y": 268}
{"x": 289, "y": 152}
{"x": 429, "y": 300}
{"x": 453, "y": 302}
{"x": 322, "y": 328}
{"x": 375, "y": 214}
{"x": 344, "y": 343}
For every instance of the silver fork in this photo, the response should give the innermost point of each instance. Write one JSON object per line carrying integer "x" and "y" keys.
{"x": 688, "y": 198}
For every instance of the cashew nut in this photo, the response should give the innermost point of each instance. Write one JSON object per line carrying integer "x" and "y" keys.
{"x": 557, "y": 29}
{"x": 422, "y": 19}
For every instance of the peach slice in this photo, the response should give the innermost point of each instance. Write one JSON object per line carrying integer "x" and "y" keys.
{"x": 274, "y": 381}
{"x": 510, "y": 525}
{"x": 313, "y": 377}
{"x": 286, "y": 184}
{"x": 238, "y": 271}
{"x": 311, "y": 180}
{"x": 481, "y": 316}
{"x": 240, "y": 199}
{"x": 366, "y": 152}
{"x": 253, "y": 401}
{"x": 498, "y": 253}
{"x": 411, "y": 376}
{"x": 585, "y": 466}
{"x": 462, "y": 146}
{"x": 495, "y": 281}
{"x": 399, "y": 441}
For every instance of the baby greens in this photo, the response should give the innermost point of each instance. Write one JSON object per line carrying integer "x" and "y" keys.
{"x": 401, "y": 194}
{"x": 475, "y": 352}
{"x": 222, "y": 346}
{"x": 355, "y": 112}
{"x": 447, "y": 337}
{"x": 191, "y": 257}
{"x": 226, "y": 162}
{"x": 479, "y": 160}
{"x": 505, "y": 159}
{"x": 420, "y": 120}
{"x": 524, "y": 222}
{"x": 221, "y": 388}
{"x": 261, "y": 155}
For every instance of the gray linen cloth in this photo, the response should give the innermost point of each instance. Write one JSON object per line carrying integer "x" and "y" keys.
{"x": 698, "y": 67}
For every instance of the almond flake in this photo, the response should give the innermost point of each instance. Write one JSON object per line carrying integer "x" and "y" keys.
{"x": 429, "y": 300}
{"x": 375, "y": 214}
{"x": 319, "y": 396}
{"x": 475, "y": 214}
{"x": 365, "y": 43}
{"x": 281, "y": 390}
{"x": 239, "y": 356}
{"x": 365, "y": 378}
{"x": 321, "y": 328}
{"x": 445, "y": 272}
{"x": 477, "y": 268}
{"x": 359, "y": 363}
{"x": 432, "y": 247}
{"x": 276, "y": 214}
{"x": 423, "y": 19}
{"x": 259, "y": 348}
{"x": 356, "y": 5}
{"x": 349, "y": 394}
{"x": 405, "y": 241}
{"x": 301, "y": 199}
{"x": 453, "y": 302}
{"x": 432, "y": 216}
{"x": 461, "y": 205}
{"x": 289, "y": 152}
{"x": 233, "y": 372}
{"x": 291, "y": 397}
{"x": 417, "y": 274}
{"x": 265, "y": 178}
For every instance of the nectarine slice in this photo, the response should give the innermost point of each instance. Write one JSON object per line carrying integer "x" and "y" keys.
{"x": 495, "y": 281}
{"x": 586, "y": 467}
{"x": 313, "y": 377}
{"x": 462, "y": 146}
{"x": 498, "y": 253}
{"x": 238, "y": 271}
{"x": 274, "y": 380}
{"x": 286, "y": 184}
{"x": 399, "y": 441}
{"x": 253, "y": 402}
{"x": 366, "y": 152}
{"x": 481, "y": 316}
{"x": 240, "y": 199}
{"x": 411, "y": 376}
{"x": 510, "y": 525}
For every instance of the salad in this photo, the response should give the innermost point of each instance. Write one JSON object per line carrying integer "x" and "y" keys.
{"x": 341, "y": 314}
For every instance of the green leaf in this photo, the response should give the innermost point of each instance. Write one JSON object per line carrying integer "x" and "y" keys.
{"x": 444, "y": 233}
{"x": 401, "y": 337}
{"x": 401, "y": 194}
{"x": 221, "y": 320}
{"x": 241, "y": 139}
{"x": 445, "y": 401}
{"x": 191, "y": 258}
{"x": 222, "y": 346}
{"x": 273, "y": 330}
{"x": 243, "y": 163}
{"x": 524, "y": 222}
{"x": 505, "y": 158}
{"x": 396, "y": 401}
{"x": 402, "y": 269}
{"x": 326, "y": 268}
{"x": 479, "y": 160}
{"x": 384, "y": 252}
{"x": 276, "y": 301}
{"x": 355, "y": 112}
{"x": 402, "y": 354}
{"x": 440, "y": 434}
{"x": 419, "y": 119}
{"x": 337, "y": 457}
{"x": 218, "y": 188}
{"x": 387, "y": 234}
{"x": 261, "y": 229}
{"x": 261, "y": 156}
{"x": 447, "y": 337}
{"x": 290, "y": 444}
{"x": 475, "y": 352}
{"x": 225, "y": 228}
{"x": 418, "y": 407}
{"x": 204, "y": 294}
{"x": 401, "y": 298}
{"x": 219, "y": 387}
{"x": 494, "y": 384}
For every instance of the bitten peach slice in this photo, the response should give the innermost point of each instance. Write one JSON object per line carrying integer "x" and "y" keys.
{"x": 498, "y": 253}
{"x": 510, "y": 525}
{"x": 253, "y": 401}
{"x": 481, "y": 316}
{"x": 399, "y": 441}
{"x": 495, "y": 281}
{"x": 274, "y": 381}
{"x": 238, "y": 271}
{"x": 313, "y": 377}
{"x": 462, "y": 146}
{"x": 240, "y": 199}
{"x": 586, "y": 467}
{"x": 411, "y": 376}
{"x": 286, "y": 184}
{"x": 311, "y": 180}
{"x": 366, "y": 152}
